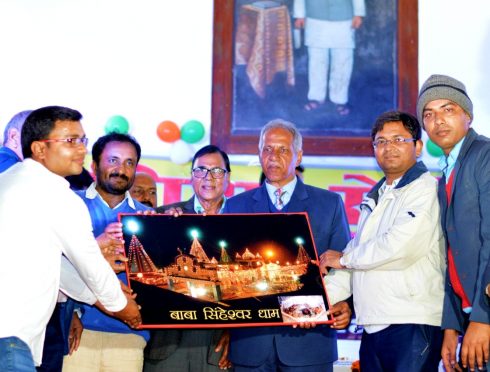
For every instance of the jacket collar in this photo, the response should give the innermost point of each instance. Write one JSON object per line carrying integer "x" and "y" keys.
{"x": 411, "y": 175}
{"x": 469, "y": 139}
{"x": 188, "y": 206}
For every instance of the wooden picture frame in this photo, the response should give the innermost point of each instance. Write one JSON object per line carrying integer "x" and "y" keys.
{"x": 354, "y": 141}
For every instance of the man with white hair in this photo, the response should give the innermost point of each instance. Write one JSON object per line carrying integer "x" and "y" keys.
{"x": 285, "y": 348}
{"x": 11, "y": 152}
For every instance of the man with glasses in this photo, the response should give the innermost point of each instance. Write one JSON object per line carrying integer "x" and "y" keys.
{"x": 41, "y": 219}
{"x": 395, "y": 264}
{"x": 64, "y": 328}
{"x": 203, "y": 350}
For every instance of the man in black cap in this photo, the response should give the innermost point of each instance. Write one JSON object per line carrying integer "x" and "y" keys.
{"x": 446, "y": 112}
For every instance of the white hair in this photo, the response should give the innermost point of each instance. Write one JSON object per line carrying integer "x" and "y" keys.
{"x": 284, "y": 124}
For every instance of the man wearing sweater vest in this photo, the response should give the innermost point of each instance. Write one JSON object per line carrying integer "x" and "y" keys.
{"x": 446, "y": 111}
{"x": 108, "y": 344}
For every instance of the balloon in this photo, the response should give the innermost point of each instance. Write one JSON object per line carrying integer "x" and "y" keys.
{"x": 192, "y": 131}
{"x": 181, "y": 152}
{"x": 433, "y": 149}
{"x": 168, "y": 131}
{"x": 117, "y": 123}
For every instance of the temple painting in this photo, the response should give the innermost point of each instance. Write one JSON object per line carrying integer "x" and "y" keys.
{"x": 224, "y": 270}
{"x": 223, "y": 278}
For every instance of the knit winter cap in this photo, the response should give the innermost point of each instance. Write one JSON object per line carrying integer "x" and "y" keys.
{"x": 443, "y": 87}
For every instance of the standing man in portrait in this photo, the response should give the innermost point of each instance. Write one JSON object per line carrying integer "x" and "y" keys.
{"x": 446, "y": 111}
{"x": 290, "y": 348}
{"x": 330, "y": 37}
{"x": 189, "y": 350}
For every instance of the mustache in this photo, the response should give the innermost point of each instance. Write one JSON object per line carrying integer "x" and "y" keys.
{"x": 123, "y": 176}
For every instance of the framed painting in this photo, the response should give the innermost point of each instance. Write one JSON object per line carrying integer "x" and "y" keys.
{"x": 210, "y": 271}
{"x": 263, "y": 68}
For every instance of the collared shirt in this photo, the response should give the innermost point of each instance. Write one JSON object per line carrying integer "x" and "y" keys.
{"x": 447, "y": 163}
{"x": 287, "y": 190}
{"x": 37, "y": 225}
{"x": 92, "y": 193}
{"x": 101, "y": 215}
{"x": 198, "y": 208}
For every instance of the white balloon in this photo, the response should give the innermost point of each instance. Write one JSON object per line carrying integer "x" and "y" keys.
{"x": 181, "y": 152}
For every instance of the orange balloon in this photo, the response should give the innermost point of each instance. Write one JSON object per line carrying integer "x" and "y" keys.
{"x": 168, "y": 131}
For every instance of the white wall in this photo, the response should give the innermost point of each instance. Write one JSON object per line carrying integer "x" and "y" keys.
{"x": 148, "y": 60}
{"x": 454, "y": 39}
{"x": 151, "y": 61}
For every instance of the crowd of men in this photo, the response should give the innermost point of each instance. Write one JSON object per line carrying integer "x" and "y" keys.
{"x": 416, "y": 273}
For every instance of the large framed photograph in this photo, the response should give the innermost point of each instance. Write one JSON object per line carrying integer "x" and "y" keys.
{"x": 265, "y": 68}
{"x": 196, "y": 271}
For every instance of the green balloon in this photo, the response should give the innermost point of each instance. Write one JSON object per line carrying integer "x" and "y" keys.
{"x": 118, "y": 124}
{"x": 434, "y": 150}
{"x": 192, "y": 131}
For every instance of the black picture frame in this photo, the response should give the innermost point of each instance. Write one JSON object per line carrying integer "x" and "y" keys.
{"x": 185, "y": 276}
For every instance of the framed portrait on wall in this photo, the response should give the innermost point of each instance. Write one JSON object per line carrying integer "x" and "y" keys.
{"x": 264, "y": 67}
{"x": 224, "y": 270}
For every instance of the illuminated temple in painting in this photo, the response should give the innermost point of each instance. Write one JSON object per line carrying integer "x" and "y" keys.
{"x": 195, "y": 274}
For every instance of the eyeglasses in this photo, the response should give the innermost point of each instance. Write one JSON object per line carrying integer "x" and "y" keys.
{"x": 75, "y": 141}
{"x": 202, "y": 172}
{"x": 382, "y": 142}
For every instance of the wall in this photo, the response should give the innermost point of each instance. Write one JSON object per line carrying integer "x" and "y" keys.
{"x": 151, "y": 61}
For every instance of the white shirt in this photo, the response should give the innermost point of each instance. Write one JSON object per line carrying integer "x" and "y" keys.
{"x": 287, "y": 191}
{"x": 329, "y": 34}
{"x": 41, "y": 218}
{"x": 92, "y": 193}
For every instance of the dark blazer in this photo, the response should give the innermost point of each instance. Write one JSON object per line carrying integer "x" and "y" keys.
{"x": 486, "y": 281}
{"x": 165, "y": 342}
{"x": 295, "y": 347}
{"x": 186, "y": 206}
{"x": 466, "y": 225}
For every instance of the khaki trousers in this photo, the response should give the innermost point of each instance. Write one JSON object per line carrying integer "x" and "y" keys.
{"x": 106, "y": 352}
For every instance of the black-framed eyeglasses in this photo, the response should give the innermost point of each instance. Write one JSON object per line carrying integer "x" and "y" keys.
{"x": 202, "y": 172}
{"x": 383, "y": 142}
{"x": 74, "y": 141}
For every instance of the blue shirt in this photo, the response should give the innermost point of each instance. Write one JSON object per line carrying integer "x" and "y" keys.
{"x": 447, "y": 163}
{"x": 102, "y": 215}
{"x": 7, "y": 158}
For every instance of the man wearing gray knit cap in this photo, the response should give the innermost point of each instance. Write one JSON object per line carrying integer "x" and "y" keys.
{"x": 446, "y": 112}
